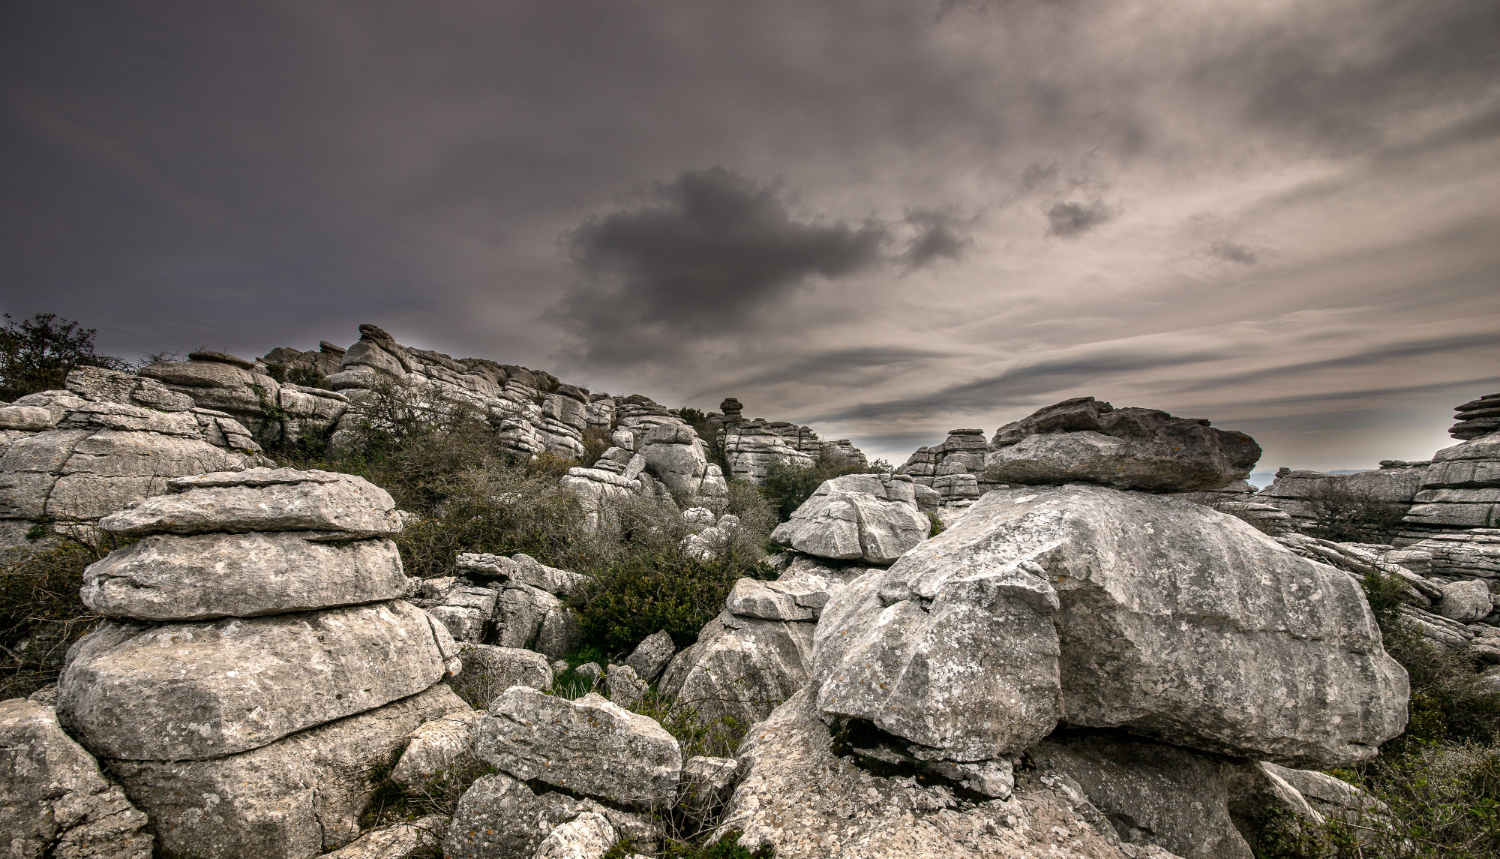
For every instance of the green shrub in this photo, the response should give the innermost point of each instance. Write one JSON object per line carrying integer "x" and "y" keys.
{"x": 307, "y": 377}
{"x": 41, "y": 614}
{"x": 1346, "y": 514}
{"x": 37, "y": 354}
{"x": 787, "y": 485}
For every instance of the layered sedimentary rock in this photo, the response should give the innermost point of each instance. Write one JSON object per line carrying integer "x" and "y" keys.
{"x": 70, "y": 457}
{"x": 253, "y": 734}
{"x": 955, "y": 468}
{"x": 868, "y": 517}
{"x": 1477, "y": 418}
{"x": 1084, "y": 440}
{"x": 1307, "y": 496}
{"x": 751, "y": 447}
{"x": 1110, "y": 609}
{"x": 1461, "y": 490}
{"x": 758, "y": 651}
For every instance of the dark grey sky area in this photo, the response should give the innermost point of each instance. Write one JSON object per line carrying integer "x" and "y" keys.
{"x": 887, "y": 219}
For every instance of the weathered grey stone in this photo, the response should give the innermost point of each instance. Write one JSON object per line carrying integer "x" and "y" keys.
{"x": 294, "y": 798}
{"x": 54, "y": 802}
{"x": 623, "y": 686}
{"x": 740, "y": 667}
{"x": 856, "y": 516}
{"x": 706, "y": 786}
{"x": 402, "y": 840}
{"x": 27, "y": 418}
{"x": 1086, "y": 441}
{"x": 439, "y": 748}
{"x": 521, "y": 569}
{"x": 559, "y": 633}
{"x": 504, "y": 667}
{"x": 519, "y": 614}
{"x": 261, "y": 501}
{"x": 500, "y": 817}
{"x": 1151, "y": 792}
{"x": 756, "y": 599}
{"x": 167, "y": 577}
{"x": 1173, "y": 620}
{"x": 587, "y": 836}
{"x": 589, "y": 746}
{"x": 1465, "y": 601}
{"x": 968, "y": 666}
{"x": 810, "y": 803}
{"x": 651, "y": 656}
{"x": 1328, "y": 795}
{"x": 189, "y": 691}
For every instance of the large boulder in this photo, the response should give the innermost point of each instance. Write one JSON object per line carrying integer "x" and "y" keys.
{"x": 240, "y": 575}
{"x": 263, "y": 499}
{"x": 589, "y": 746}
{"x": 740, "y": 667}
{"x": 866, "y": 517}
{"x": 191, "y": 691}
{"x": 803, "y": 797}
{"x": 1111, "y": 609}
{"x": 1083, "y": 440}
{"x": 54, "y": 802}
{"x": 1461, "y": 489}
{"x": 292, "y": 799}
{"x": 499, "y": 817}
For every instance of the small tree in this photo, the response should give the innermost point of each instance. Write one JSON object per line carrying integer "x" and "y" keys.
{"x": 1349, "y": 514}
{"x": 37, "y": 354}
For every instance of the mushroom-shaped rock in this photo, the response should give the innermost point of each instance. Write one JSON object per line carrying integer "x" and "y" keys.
{"x": 1084, "y": 440}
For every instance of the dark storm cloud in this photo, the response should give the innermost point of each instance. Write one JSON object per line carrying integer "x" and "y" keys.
{"x": 1069, "y": 220}
{"x": 1234, "y": 252}
{"x": 704, "y": 254}
{"x": 940, "y": 235}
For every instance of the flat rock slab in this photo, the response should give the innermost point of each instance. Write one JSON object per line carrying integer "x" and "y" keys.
{"x": 293, "y": 799}
{"x": 342, "y": 503}
{"x": 54, "y": 801}
{"x": 167, "y": 577}
{"x": 589, "y": 746}
{"x": 810, "y": 803}
{"x": 1084, "y": 440}
{"x": 652, "y": 655}
{"x": 190, "y": 691}
{"x": 442, "y": 747}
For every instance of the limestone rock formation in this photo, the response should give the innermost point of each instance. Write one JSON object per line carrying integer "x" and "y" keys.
{"x": 499, "y": 668}
{"x": 752, "y": 446}
{"x": 500, "y": 817}
{"x": 651, "y": 656}
{"x": 254, "y": 736}
{"x": 70, "y": 457}
{"x": 240, "y": 575}
{"x": 802, "y": 796}
{"x": 1300, "y": 494}
{"x": 1461, "y": 490}
{"x": 1086, "y": 441}
{"x": 953, "y": 469}
{"x": 1477, "y": 418}
{"x": 442, "y": 747}
{"x": 262, "y": 499}
{"x": 858, "y": 516}
{"x": 1110, "y": 609}
{"x": 297, "y": 797}
{"x": 403, "y": 840}
{"x": 54, "y": 802}
{"x": 758, "y": 651}
{"x": 589, "y": 746}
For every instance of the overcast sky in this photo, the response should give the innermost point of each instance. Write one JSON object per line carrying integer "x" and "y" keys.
{"x": 885, "y": 219}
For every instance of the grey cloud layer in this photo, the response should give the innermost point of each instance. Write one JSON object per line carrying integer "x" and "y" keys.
{"x": 893, "y": 217}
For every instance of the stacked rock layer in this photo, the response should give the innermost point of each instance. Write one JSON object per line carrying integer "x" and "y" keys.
{"x": 257, "y": 660}
{"x": 69, "y": 457}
